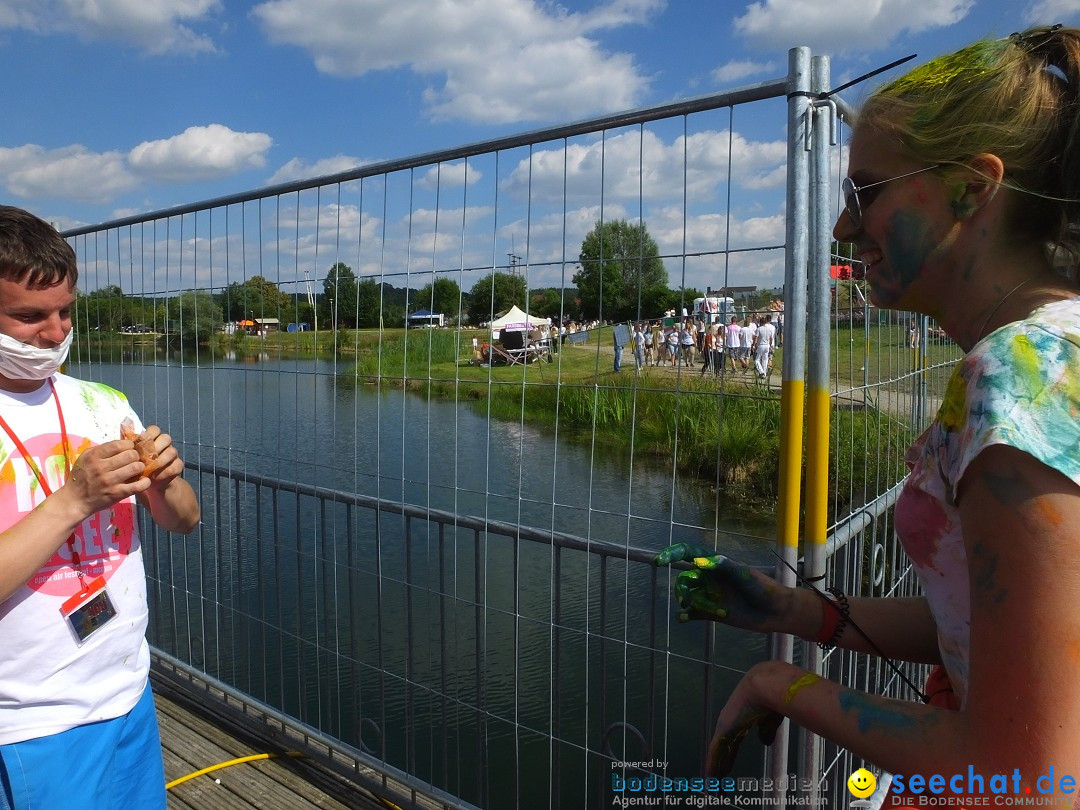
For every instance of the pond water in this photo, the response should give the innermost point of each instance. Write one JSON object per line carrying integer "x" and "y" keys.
{"x": 294, "y": 419}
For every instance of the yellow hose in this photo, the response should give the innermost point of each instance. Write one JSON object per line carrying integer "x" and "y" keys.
{"x": 253, "y": 758}
{"x": 226, "y": 764}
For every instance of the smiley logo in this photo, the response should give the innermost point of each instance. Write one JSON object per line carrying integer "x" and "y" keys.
{"x": 861, "y": 783}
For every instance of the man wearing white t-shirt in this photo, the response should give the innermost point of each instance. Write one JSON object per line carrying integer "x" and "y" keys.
{"x": 746, "y": 340}
{"x": 763, "y": 349}
{"x": 77, "y": 721}
{"x": 732, "y": 340}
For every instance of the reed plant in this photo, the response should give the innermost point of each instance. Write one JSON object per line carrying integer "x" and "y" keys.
{"x": 728, "y": 438}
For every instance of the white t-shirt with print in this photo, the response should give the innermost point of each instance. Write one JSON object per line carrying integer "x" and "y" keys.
{"x": 48, "y": 683}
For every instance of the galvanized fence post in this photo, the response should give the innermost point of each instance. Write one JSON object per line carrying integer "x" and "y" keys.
{"x": 791, "y": 392}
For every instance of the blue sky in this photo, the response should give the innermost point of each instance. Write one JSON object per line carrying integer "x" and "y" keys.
{"x": 117, "y": 107}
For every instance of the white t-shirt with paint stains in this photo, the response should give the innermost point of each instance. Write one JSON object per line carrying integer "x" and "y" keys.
{"x": 1019, "y": 386}
{"x": 48, "y": 683}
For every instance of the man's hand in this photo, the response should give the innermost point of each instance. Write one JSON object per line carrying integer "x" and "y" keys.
{"x": 170, "y": 499}
{"x": 720, "y": 589}
{"x": 166, "y": 463}
{"x": 101, "y": 477}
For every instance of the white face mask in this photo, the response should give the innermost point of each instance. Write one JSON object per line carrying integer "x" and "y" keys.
{"x": 21, "y": 361}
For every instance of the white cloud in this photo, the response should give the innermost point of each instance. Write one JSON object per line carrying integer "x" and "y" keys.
{"x": 72, "y": 172}
{"x": 1048, "y": 12}
{"x": 154, "y": 26}
{"x": 709, "y": 232}
{"x": 755, "y": 165}
{"x": 76, "y": 173}
{"x": 298, "y": 169}
{"x": 619, "y": 12}
{"x": 672, "y": 229}
{"x": 121, "y": 213}
{"x": 65, "y": 223}
{"x": 848, "y": 25}
{"x": 740, "y": 69}
{"x": 200, "y": 153}
{"x": 445, "y": 175}
{"x": 449, "y": 175}
{"x": 493, "y": 61}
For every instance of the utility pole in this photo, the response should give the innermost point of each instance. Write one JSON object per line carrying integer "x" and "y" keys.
{"x": 311, "y": 300}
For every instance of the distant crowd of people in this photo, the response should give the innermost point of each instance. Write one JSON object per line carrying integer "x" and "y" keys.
{"x": 746, "y": 344}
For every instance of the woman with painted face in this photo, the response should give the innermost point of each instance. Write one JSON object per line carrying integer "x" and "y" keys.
{"x": 963, "y": 201}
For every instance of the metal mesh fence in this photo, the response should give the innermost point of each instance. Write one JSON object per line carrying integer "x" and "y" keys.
{"x": 443, "y": 561}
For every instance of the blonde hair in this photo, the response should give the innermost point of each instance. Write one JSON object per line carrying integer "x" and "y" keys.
{"x": 1017, "y": 98}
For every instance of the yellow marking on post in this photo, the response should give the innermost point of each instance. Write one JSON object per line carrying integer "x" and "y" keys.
{"x": 787, "y": 507}
{"x": 817, "y": 464}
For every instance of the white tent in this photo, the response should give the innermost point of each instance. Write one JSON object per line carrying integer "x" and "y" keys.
{"x": 517, "y": 321}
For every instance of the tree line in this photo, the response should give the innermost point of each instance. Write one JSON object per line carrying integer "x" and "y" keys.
{"x": 620, "y": 276}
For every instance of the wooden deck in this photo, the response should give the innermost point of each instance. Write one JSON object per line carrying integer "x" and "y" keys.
{"x": 190, "y": 743}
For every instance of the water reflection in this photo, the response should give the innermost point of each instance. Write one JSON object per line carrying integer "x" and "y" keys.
{"x": 290, "y": 418}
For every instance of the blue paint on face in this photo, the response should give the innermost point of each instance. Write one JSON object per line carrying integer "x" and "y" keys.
{"x": 908, "y": 244}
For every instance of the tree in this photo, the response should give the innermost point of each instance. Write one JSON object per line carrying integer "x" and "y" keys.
{"x": 683, "y": 298}
{"x": 272, "y": 302}
{"x": 338, "y": 307}
{"x": 198, "y": 315}
{"x": 656, "y": 300}
{"x": 234, "y": 303}
{"x": 620, "y": 268}
{"x": 258, "y": 297}
{"x": 548, "y": 304}
{"x": 442, "y": 296}
{"x": 495, "y": 293}
{"x": 305, "y": 312}
{"x": 104, "y": 308}
{"x": 843, "y": 252}
{"x": 368, "y": 304}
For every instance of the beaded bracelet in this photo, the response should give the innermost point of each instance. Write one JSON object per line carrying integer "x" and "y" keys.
{"x": 834, "y": 621}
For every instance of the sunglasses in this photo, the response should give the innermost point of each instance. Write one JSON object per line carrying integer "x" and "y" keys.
{"x": 855, "y": 205}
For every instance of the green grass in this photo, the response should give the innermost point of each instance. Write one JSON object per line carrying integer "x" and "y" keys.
{"x": 859, "y": 357}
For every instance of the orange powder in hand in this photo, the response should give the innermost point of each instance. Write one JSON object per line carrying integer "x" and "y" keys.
{"x": 144, "y": 447}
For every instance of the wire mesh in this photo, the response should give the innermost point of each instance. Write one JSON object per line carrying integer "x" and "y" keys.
{"x": 445, "y": 563}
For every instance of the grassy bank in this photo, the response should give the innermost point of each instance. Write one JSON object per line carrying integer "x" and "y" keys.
{"x": 723, "y": 430}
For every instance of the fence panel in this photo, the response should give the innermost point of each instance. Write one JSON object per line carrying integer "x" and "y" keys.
{"x": 444, "y": 564}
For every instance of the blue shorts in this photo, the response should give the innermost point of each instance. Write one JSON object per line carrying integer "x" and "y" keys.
{"x": 110, "y": 764}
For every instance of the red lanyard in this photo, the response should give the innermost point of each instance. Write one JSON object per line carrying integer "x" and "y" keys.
{"x": 75, "y": 560}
